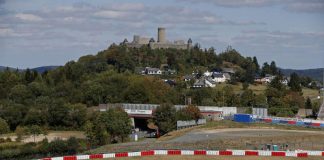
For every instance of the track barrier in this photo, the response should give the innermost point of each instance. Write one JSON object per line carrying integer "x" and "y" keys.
{"x": 304, "y": 122}
{"x": 299, "y": 154}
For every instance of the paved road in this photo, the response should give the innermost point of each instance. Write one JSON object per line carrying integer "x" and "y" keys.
{"x": 233, "y": 133}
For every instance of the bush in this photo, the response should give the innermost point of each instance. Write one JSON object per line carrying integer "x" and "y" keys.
{"x": 4, "y": 127}
{"x": 57, "y": 147}
{"x": 9, "y": 153}
{"x": 72, "y": 145}
{"x": 9, "y": 145}
{"x": 2, "y": 140}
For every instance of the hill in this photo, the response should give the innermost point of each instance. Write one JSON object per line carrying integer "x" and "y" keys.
{"x": 2, "y": 68}
{"x": 38, "y": 69}
{"x": 44, "y": 68}
{"x": 316, "y": 73}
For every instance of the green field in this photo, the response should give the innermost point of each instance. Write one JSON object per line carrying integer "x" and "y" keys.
{"x": 260, "y": 88}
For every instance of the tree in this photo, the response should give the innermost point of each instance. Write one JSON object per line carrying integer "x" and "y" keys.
{"x": 35, "y": 130}
{"x": 20, "y": 93}
{"x": 165, "y": 118}
{"x": 4, "y": 127}
{"x": 265, "y": 69}
{"x": 276, "y": 83}
{"x": 308, "y": 103}
{"x": 247, "y": 98}
{"x": 35, "y": 117}
{"x": 245, "y": 86}
{"x": 29, "y": 76}
{"x": 77, "y": 115}
{"x": 13, "y": 114}
{"x": 257, "y": 66}
{"x": 191, "y": 112}
{"x": 21, "y": 131}
{"x": 88, "y": 130}
{"x": 229, "y": 98}
{"x": 273, "y": 68}
{"x": 58, "y": 113}
{"x": 261, "y": 100}
{"x": 294, "y": 83}
{"x": 117, "y": 124}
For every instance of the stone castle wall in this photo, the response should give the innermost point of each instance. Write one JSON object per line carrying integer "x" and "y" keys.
{"x": 161, "y": 43}
{"x": 168, "y": 45}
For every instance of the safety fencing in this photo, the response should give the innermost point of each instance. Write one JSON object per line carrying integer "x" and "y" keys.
{"x": 186, "y": 124}
{"x": 300, "y": 122}
{"x": 301, "y": 154}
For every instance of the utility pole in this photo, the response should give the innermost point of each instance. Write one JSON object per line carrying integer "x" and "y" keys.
{"x": 223, "y": 99}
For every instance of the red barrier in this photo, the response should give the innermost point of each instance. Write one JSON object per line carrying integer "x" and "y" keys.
{"x": 196, "y": 152}
{"x": 200, "y": 152}
{"x": 280, "y": 154}
{"x": 123, "y": 154}
{"x": 225, "y": 153}
{"x": 291, "y": 122}
{"x": 316, "y": 124}
{"x": 147, "y": 153}
{"x": 302, "y": 155}
{"x": 69, "y": 158}
{"x": 251, "y": 153}
{"x": 268, "y": 120}
{"x": 95, "y": 156}
{"x": 174, "y": 152}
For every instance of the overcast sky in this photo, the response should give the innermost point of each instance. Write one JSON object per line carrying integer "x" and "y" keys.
{"x": 46, "y": 32}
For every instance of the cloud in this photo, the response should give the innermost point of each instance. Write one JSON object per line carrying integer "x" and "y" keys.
{"x": 289, "y": 49}
{"x": 235, "y": 3}
{"x": 128, "y": 7}
{"x": 111, "y": 14}
{"x": 11, "y": 33}
{"x": 5, "y": 32}
{"x": 28, "y": 17}
{"x": 281, "y": 39}
{"x": 309, "y": 6}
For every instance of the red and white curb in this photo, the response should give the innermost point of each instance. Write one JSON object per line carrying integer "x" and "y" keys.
{"x": 193, "y": 152}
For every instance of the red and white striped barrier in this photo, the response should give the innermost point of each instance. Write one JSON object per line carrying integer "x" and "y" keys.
{"x": 193, "y": 152}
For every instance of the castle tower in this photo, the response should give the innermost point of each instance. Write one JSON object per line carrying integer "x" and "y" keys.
{"x": 136, "y": 39}
{"x": 189, "y": 44}
{"x": 151, "y": 43}
{"x": 161, "y": 35}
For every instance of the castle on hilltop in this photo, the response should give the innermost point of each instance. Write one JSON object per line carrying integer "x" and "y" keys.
{"x": 160, "y": 43}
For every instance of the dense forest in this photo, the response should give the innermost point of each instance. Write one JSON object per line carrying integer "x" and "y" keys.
{"x": 59, "y": 98}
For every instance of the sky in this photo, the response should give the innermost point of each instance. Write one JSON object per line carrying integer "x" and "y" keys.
{"x": 52, "y": 32}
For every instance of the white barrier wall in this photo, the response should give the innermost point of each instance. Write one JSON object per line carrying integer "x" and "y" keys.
{"x": 227, "y": 111}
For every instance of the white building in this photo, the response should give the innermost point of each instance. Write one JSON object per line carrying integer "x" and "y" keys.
{"x": 152, "y": 71}
{"x": 268, "y": 78}
{"x": 218, "y": 77}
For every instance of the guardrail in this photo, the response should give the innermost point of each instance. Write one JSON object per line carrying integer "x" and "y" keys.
{"x": 185, "y": 124}
{"x": 302, "y": 154}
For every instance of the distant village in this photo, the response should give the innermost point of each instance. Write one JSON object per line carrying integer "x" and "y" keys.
{"x": 210, "y": 78}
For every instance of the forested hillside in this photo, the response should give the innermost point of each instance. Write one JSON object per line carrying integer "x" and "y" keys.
{"x": 59, "y": 98}
{"x": 316, "y": 74}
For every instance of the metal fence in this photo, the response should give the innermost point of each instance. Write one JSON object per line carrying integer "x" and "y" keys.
{"x": 186, "y": 124}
